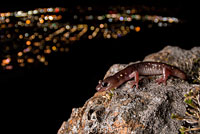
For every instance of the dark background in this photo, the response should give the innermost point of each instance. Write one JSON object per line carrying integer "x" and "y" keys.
{"x": 39, "y": 99}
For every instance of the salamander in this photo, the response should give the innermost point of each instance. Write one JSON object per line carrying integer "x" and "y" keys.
{"x": 141, "y": 68}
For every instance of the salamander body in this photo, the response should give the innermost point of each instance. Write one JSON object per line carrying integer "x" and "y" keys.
{"x": 142, "y": 68}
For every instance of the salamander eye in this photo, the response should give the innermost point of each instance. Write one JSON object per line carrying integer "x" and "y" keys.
{"x": 104, "y": 84}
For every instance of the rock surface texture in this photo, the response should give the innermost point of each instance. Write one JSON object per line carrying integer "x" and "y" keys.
{"x": 146, "y": 110}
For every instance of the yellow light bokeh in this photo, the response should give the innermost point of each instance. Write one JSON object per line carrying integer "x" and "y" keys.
{"x": 41, "y": 21}
{"x": 19, "y": 53}
{"x": 54, "y": 48}
{"x": 92, "y": 28}
{"x": 28, "y": 43}
{"x": 90, "y": 37}
{"x": 101, "y": 25}
{"x": 30, "y": 60}
{"x": 28, "y": 21}
{"x": 47, "y": 51}
{"x": 20, "y": 36}
{"x": 20, "y": 60}
{"x": 137, "y": 29}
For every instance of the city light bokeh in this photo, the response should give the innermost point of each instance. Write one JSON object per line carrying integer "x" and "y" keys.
{"x": 28, "y": 37}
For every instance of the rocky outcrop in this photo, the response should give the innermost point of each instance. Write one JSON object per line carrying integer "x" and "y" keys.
{"x": 146, "y": 110}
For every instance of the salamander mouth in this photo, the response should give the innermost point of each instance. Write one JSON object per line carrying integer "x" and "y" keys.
{"x": 99, "y": 88}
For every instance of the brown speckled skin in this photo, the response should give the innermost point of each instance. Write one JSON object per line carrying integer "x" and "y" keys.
{"x": 142, "y": 68}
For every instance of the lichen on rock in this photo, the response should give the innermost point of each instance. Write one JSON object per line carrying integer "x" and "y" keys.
{"x": 146, "y": 110}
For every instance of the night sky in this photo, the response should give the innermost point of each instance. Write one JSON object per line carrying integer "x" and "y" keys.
{"x": 38, "y": 100}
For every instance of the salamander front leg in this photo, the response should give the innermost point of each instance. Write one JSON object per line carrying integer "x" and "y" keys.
{"x": 135, "y": 75}
{"x": 166, "y": 73}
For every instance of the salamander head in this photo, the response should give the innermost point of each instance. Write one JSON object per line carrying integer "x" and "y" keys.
{"x": 107, "y": 84}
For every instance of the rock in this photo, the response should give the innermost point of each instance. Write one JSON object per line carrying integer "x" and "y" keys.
{"x": 146, "y": 110}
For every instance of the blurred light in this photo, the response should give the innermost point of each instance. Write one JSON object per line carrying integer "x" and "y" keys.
{"x": 156, "y": 20}
{"x": 35, "y": 11}
{"x": 7, "y": 20}
{"x": 165, "y": 24}
{"x": 6, "y": 61}
{"x": 19, "y": 13}
{"x": 45, "y": 29}
{"x": 114, "y": 15}
{"x": 46, "y": 17}
{"x": 9, "y": 67}
{"x": 108, "y": 36}
{"x": 30, "y": 60}
{"x": 59, "y": 17}
{"x": 54, "y": 48}
{"x": 72, "y": 38}
{"x": 32, "y": 37}
{"x": 90, "y": 37}
{"x": 62, "y": 49}
{"x": 20, "y": 36}
{"x": 110, "y": 19}
{"x": 121, "y": 18}
{"x": 28, "y": 49}
{"x": 129, "y": 19}
{"x": 30, "y": 12}
{"x": 66, "y": 35}
{"x": 19, "y": 53}
{"x": 90, "y": 17}
{"x": 57, "y": 10}
{"x": 66, "y": 49}
{"x": 49, "y": 9}
{"x": 133, "y": 11}
{"x": 20, "y": 60}
{"x": 46, "y": 63}
{"x": 108, "y": 15}
{"x": 75, "y": 17}
{"x": 50, "y": 17}
{"x": 137, "y": 17}
{"x": 67, "y": 27}
{"x": 19, "y": 23}
{"x": 36, "y": 44}
{"x": 131, "y": 27}
{"x": 170, "y": 20}
{"x": 89, "y": 8}
{"x": 42, "y": 59}
{"x": 40, "y": 36}
{"x": 36, "y": 17}
{"x": 92, "y": 28}
{"x": 100, "y": 17}
{"x": 8, "y": 35}
{"x": 28, "y": 43}
{"x": 175, "y": 19}
{"x": 47, "y": 51}
{"x": 101, "y": 25}
{"x": 41, "y": 10}
{"x": 164, "y": 19}
{"x": 22, "y": 65}
{"x": 28, "y": 21}
{"x": 41, "y": 20}
{"x": 128, "y": 11}
{"x": 160, "y": 24}
{"x": 137, "y": 29}
{"x": 26, "y": 34}
{"x": 55, "y": 40}
{"x": 122, "y": 28}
